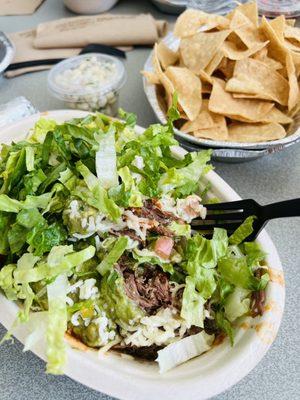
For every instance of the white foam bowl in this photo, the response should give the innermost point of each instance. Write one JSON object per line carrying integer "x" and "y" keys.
{"x": 200, "y": 378}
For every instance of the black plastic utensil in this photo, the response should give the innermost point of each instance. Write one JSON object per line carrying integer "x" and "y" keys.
{"x": 231, "y": 215}
{"x": 90, "y": 48}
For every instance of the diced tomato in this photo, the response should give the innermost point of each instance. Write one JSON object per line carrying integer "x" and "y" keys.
{"x": 163, "y": 247}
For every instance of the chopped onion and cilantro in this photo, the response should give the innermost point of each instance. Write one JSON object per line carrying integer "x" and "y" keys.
{"x": 96, "y": 242}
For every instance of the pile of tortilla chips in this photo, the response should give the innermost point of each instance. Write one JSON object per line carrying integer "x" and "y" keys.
{"x": 237, "y": 77}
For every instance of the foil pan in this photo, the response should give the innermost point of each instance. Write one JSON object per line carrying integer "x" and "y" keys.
{"x": 239, "y": 150}
{"x": 170, "y": 6}
{"x": 7, "y": 52}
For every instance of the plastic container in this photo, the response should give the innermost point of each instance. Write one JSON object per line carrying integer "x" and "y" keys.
{"x": 83, "y": 91}
{"x": 273, "y": 8}
{"x": 89, "y": 6}
{"x": 15, "y": 110}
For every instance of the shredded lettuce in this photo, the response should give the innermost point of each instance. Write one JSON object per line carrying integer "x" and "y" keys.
{"x": 237, "y": 304}
{"x": 57, "y": 324}
{"x": 106, "y": 159}
{"x": 183, "y": 350}
{"x": 27, "y": 261}
{"x": 243, "y": 231}
{"x": 192, "y": 309}
{"x": 113, "y": 256}
{"x": 135, "y": 198}
{"x": 101, "y": 199}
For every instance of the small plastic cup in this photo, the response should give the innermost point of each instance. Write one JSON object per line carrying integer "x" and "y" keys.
{"x": 102, "y": 97}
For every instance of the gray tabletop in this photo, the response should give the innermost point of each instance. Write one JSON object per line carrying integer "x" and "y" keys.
{"x": 276, "y": 177}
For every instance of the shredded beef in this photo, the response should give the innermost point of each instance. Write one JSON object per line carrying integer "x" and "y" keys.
{"x": 145, "y": 352}
{"x": 152, "y": 211}
{"x": 150, "y": 290}
{"x": 128, "y": 232}
{"x": 211, "y": 327}
{"x": 258, "y": 298}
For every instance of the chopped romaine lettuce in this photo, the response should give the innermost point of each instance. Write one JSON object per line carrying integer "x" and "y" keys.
{"x": 192, "y": 304}
{"x": 185, "y": 349}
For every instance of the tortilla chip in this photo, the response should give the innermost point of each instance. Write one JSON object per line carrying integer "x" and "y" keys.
{"x": 207, "y": 124}
{"x": 151, "y": 77}
{"x": 274, "y": 115}
{"x": 165, "y": 55}
{"x": 253, "y": 133}
{"x": 205, "y": 77}
{"x": 292, "y": 33}
{"x": 278, "y": 25}
{"x": 276, "y": 48}
{"x": 249, "y": 10}
{"x": 291, "y": 46}
{"x": 188, "y": 87}
{"x": 214, "y": 63}
{"x": 191, "y": 21}
{"x": 245, "y": 29}
{"x": 232, "y": 52}
{"x": 206, "y": 87}
{"x": 290, "y": 22}
{"x": 219, "y": 132}
{"x": 262, "y": 55}
{"x": 76, "y": 343}
{"x": 254, "y": 77}
{"x": 222, "y": 102}
{"x": 199, "y": 50}
{"x": 293, "y": 82}
{"x": 227, "y": 67}
{"x": 164, "y": 80}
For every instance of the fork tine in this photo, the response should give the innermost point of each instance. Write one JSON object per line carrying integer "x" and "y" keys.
{"x": 209, "y": 227}
{"x": 232, "y": 205}
{"x": 227, "y": 216}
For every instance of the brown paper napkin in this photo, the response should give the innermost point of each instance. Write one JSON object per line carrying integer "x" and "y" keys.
{"x": 109, "y": 29}
{"x": 23, "y": 42}
{"x": 65, "y": 37}
{"x": 19, "y": 7}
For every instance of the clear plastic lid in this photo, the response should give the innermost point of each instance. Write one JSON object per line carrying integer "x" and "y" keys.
{"x": 76, "y": 88}
{"x": 270, "y": 8}
{"x": 273, "y": 8}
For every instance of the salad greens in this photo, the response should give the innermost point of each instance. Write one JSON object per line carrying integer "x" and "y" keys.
{"x": 96, "y": 241}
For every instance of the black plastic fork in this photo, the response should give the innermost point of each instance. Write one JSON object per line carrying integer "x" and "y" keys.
{"x": 232, "y": 214}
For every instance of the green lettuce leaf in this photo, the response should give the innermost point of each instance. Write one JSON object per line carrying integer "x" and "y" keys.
{"x": 41, "y": 128}
{"x": 237, "y": 304}
{"x": 57, "y": 324}
{"x": 7, "y": 283}
{"x": 243, "y": 231}
{"x": 106, "y": 159}
{"x": 147, "y": 256}
{"x": 113, "y": 256}
{"x": 25, "y": 262}
{"x": 192, "y": 309}
{"x": 180, "y": 229}
{"x": 29, "y": 152}
{"x": 101, "y": 200}
{"x": 134, "y": 195}
{"x": 185, "y": 181}
{"x": 225, "y": 326}
{"x": 237, "y": 272}
{"x": 60, "y": 260}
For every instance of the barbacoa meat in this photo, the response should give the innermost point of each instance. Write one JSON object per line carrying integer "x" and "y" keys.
{"x": 258, "y": 298}
{"x": 152, "y": 211}
{"x": 159, "y": 217}
{"x": 148, "y": 353}
{"x": 150, "y": 290}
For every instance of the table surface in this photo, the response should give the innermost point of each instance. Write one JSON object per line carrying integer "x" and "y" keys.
{"x": 269, "y": 179}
